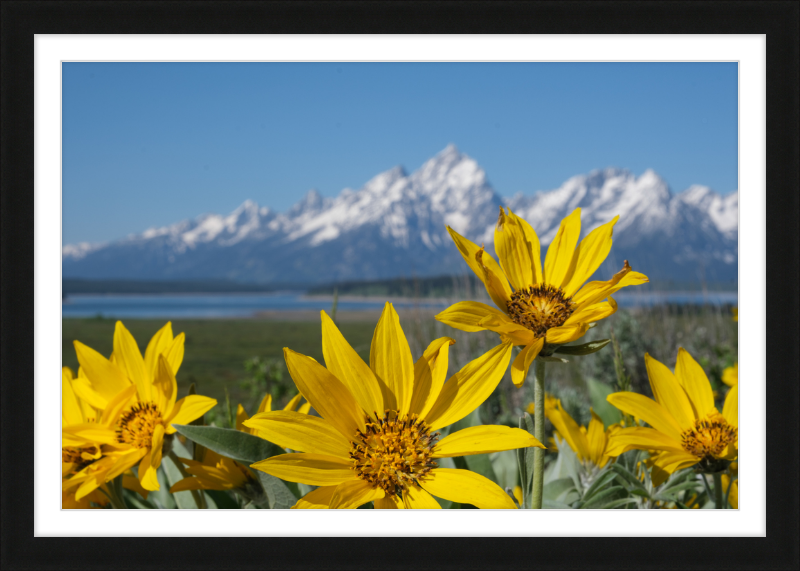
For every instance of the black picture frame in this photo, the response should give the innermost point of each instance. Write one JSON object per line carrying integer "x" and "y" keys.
{"x": 779, "y": 20}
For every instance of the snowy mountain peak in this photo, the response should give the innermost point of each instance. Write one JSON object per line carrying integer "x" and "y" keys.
{"x": 311, "y": 203}
{"x": 395, "y": 225}
{"x": 385, "y": 180}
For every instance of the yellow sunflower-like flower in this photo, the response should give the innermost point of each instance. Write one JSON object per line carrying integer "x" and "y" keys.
{"x": 589, "y": 444}
{"x": 216, "y": 472}
{"x": 266, "y": 406}
{"x": 376, "y": 440}
{"x": 687, "y": 429}
{"x": 730, "y": 376}
{"x": 548, "y": 304}
{"x": 138, "y": 400}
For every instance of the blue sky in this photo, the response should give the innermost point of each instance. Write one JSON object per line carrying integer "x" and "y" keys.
{"x": 149, "y": 144}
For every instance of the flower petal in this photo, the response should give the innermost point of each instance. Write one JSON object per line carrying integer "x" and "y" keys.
{"x": 568, "y": 429}
{"x": 669, "y": 393}
{"x": 174, "y": 353}
{"x": 649, "y": 411}
{"x": 390, "y": 502}
{"x": 241, "y": 417}
{"x": 730, "y": 410}
{"x": 467, "y": 315}
{"x": 730, "y": 376}
{"x": 187, "y": 409}
{"x": 148, "y": 476}
{"x": 318, "y": 499}
{"x": 416, "y": 498}
{"x": 671, "y": 461}
{"x": 349, "y": 368}
{"x": 466, "y": 487}
{"x": 560, "y": 261}
{"x": 514, "y": 252}
{"x": 641, "y": 438}
{"x": 566, "y": 333}
{"x": 354, "y": 493}
{"x": 329, "y": 397}
{"x": 591, "y": 252}
{"x": 596, "y": 439}
{"x": 266, "y": 403}
{"x": 484, "y": 440}
{"x": 695, "y": 382}
{"x": 533, "y": 240}
{"x": 522, "y": 362}
{"x": 430, "y": 372}
{"x": 106, "y": 378}
{"x": 159, "y": 343}
{"x": 390, "y": 359}
{"x": 71, "y": 412}
{"x": 165, "y": 387}
{"x": 116, "y": 405}
{"x": 88, "y": 433}
{"x": 469, "y": 251}
{"x": 312, "y": 469}
{"x": 301, "y": 432}
{"x": 130, "y": 360}
{"x": 466, "y": 390}
{"x": 592, "y": 313}
{"x": 593, "y": 292}
{"x": 496, "y": 284}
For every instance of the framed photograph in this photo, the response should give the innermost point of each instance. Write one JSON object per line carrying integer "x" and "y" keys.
{"x": 284, "y": 284}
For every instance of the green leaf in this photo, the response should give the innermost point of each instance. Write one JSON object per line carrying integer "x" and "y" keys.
{"x": 550, "y": 359}
{"x": 183, "y": 500}
{"x": 161, "y": 497}
{"x": 505, "y": 468}
{"x": 223, "y": 500}
{"x": 601, "y": 480}
{"x": 616, "y": 503}
{"x": 554, "y": 505}
{"x": 584, "y": 349}
{"x": 600, "y": 499}
{"x": 557, "y": 488}
{"x": 607, "y": 412}
{"x": 632, "y": 481}
{"x": 233, "y": 444}
{"x": 278, "y": 495}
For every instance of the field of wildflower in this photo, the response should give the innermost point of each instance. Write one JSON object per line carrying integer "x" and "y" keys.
{"x": 543, "y": 395}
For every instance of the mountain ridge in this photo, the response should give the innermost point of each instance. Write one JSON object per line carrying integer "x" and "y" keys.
{"x": 394, "y": 225}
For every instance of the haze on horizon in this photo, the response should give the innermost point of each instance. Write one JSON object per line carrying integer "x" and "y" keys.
{"x": 148, "y": 144}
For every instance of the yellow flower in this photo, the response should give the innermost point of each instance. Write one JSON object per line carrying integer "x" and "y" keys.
{"x": 214, "y": 472}
{"x": 730, "y": 376}
{"x": 686, "y": 428}
{"x": 735, "y": 312}
{"x": 266, "y": 406}
{"x": 547, "y": 303}
{"x": 138, "y": 399}
{"x": 588, "y": 444}
{"x": 376, "y": 440}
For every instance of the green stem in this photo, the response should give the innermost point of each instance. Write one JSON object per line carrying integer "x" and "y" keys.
{"x": 197, "y": 495}
{"x": 718, "y": 490}
{"x": 538, "y": 433}
{"x": 113, "y": 491}
{"x": 728, "y": 491}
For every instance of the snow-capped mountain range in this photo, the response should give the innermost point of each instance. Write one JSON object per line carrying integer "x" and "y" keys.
{"x": 395, "y": 226}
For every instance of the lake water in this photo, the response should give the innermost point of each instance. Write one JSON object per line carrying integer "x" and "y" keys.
{"x": 188, "y": 306}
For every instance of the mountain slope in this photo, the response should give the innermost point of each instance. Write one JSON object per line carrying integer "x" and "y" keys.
{"x": 395, "y": 226}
